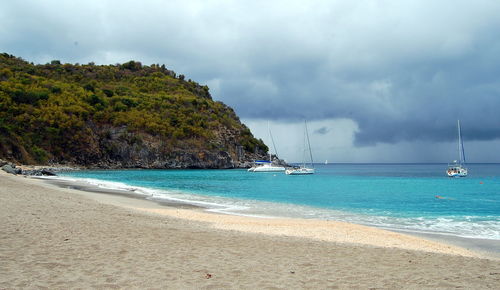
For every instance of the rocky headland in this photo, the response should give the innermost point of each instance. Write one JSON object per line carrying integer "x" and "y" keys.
{"x": 116, "y": 116}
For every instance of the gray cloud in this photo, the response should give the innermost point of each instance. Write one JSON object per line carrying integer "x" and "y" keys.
{"x": 322, "y": 131}
{"x": 402, "y": 70}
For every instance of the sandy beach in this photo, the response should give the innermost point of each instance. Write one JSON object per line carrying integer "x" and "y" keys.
{"x": 59, "y": 238}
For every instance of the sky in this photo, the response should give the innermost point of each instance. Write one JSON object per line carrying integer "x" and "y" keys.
{"x": 377, "y": 81}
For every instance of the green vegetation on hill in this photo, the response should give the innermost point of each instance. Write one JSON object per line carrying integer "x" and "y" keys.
{"x": 65, "y": 112}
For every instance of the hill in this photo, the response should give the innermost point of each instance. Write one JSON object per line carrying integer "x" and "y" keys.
{"x": 116, "y": 116}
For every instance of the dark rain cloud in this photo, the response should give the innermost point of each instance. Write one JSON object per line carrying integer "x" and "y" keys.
{"x": 402, "y": 70}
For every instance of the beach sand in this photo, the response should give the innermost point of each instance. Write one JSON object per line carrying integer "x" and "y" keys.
{"x": 59, "y": 238}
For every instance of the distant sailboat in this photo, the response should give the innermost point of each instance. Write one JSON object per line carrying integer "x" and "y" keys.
{"x": 326, "y": 161}
{"x": 303, "y": 169}
{"x": 457, "y": 168}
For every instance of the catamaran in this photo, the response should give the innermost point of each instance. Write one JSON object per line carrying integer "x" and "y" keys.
{"x": 303, "y": 169}
{"x": 457, "y": 168}
{"x": 265, "y": 165}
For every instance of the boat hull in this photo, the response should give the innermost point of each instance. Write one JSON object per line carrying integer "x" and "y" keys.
{"x": 300, "y": 171}
{"x": 269, "y": 169}
{"x": 463, "y": 174}
{"x": 457, "y": 172}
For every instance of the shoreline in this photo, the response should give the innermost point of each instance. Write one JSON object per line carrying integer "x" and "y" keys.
{"x": 485, "y": 248}
{"x": 481, "y": 247}
{"x": 59, "y": 238}
{"x": 316, "y": 229}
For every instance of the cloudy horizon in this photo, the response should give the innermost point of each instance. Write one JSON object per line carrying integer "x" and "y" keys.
{"x": 377, "y": 81}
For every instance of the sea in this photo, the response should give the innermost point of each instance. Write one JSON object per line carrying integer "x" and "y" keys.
{"x": 417, "y": 198}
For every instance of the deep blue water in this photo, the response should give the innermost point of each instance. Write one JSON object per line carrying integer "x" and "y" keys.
{"x": 395, "y": 196}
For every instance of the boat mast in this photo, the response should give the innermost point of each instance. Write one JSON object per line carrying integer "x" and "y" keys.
{"x": 304, "y": 148}
{"x": 272, "y": 140}
{"x": 461, "y": 151}
{"x": 309, "y": 144}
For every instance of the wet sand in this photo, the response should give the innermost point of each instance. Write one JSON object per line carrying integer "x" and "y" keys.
{"x": 61, "y": 237}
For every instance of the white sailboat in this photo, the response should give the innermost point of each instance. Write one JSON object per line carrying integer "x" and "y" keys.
{"x": 267, "y": 166}
{"x": 457, "y": 168}
{"x": 303, "y": 169}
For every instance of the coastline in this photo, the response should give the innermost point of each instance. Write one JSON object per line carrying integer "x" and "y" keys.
{"x": 57, "y": 237}
{"x": 484, "y": 247}
{"x": 480, "y": 247}
{"x": 328, "y": 231}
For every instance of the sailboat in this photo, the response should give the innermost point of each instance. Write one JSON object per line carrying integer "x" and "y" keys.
{"x": 267, "y": 166}
{"x": 457, "y": 168}
{"x": 303, "y": 169}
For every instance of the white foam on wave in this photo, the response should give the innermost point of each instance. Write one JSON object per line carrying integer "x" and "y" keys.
{"x": 453, "y": 226}
{"x": 209, "y": 203}
{"x": 113, "y": 185}
{"x": 468, "y": 227}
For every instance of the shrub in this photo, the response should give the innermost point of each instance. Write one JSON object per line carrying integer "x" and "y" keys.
{"x": 39, "y": 154}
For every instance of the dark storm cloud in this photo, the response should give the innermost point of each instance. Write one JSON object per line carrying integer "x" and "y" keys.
{"x": 402, "y": 70}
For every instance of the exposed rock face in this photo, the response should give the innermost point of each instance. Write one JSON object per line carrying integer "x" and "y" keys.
{"x": 127, "y": 157}
{"x": 113, "y": 148}
{"x": 130, "y": 150}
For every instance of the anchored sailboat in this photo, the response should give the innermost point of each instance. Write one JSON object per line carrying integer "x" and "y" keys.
{"x": 303, "y": 169}
{"x": 267, "y": 166}
{"x": 457, "y": 168}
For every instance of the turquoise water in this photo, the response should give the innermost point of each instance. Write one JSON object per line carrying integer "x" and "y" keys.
{"x": 394, "y": 196}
